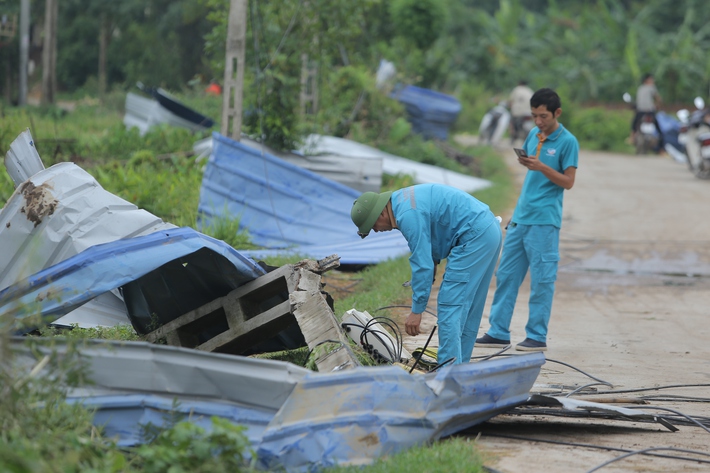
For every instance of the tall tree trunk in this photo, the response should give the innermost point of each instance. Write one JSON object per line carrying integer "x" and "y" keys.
{"x": 103, "y": 46}
{"x": 49, "y": 53}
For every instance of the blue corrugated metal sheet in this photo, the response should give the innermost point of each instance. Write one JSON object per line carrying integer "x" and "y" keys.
{"x": 191, "y": 268}
{"x": 287, "y": 209}
{"x": 431, "y": 113}
{"x": 296, "y": 420}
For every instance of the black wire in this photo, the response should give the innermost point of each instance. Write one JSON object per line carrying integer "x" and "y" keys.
{"x": 674, "y": 412}
{"x": 583, "y": 387}
{"x": 601, "y": 381}
{"x": 670, "y": 386}
{"x": 423, "y": 349}
{"x": 394, "y": 357}
{"x": 488, "y": 357}
{"x": 450, "y": 360}
{"x": 399, "y": 339}
{"x": 651, "y": 449}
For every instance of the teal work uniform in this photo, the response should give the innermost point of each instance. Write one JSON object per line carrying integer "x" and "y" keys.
{"x": 439, "y": 222}
{"x": 532, "y": 239}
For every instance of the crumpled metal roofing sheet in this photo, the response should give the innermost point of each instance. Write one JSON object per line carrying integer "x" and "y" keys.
{"x": 56, "y": 213}
{"x": 287, "y": 209}
{"x": 312, "y": 419}
{"x": 362, "y": 174}
{"x": 145, "y": 113}
{"x": 200, "y": 269}
{"x": 391, "y": 164}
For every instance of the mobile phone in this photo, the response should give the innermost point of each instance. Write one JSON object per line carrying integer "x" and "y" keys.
{"x": 520, "y": 152}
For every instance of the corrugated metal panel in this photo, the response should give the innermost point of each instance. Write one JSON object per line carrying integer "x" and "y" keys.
{"x": 287, "y": 208}
{"x": 362, "y": 174}
{"x": 423, "y": 173}
{"x": 144, "y": 113}
{"x": 58, "y": 213}
{"x": 163, "y": 275}
{"x": 22, "y": 159}
{"x": 314, "y": 420}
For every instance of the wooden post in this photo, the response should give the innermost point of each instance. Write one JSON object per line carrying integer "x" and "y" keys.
{"x": 49, "y": 53}
{"x": 309, "y": 87}
{"x": 103, "y": 48}
{"x": 234, "y": 70}
{"x": 24, "y": 50}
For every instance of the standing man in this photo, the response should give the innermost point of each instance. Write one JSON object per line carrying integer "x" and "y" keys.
{"x": 533, "y": 234}
{"x": 519, "y": 103}
{"x": 438, "y": 222}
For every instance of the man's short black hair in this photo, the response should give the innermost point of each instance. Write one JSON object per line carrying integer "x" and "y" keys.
{"x": 547, "y": 97}
{"x": 646, "y": 76}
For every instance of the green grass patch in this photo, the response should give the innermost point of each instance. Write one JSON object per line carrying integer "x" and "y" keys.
{"x": 453, "y": 455}
{"x": 380, "y": 286}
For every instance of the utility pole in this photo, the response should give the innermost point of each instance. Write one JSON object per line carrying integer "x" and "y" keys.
{"x": 24, "y": 50}
{"x": 234, "y": 70}
{"x": 49, "y": 52}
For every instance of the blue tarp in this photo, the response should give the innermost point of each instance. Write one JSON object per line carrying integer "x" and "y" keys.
{"x": 287, "y": 209}
{"x": 431, "y": 113}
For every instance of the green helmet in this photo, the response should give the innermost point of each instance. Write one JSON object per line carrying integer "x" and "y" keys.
{"x": 366, "y": 209}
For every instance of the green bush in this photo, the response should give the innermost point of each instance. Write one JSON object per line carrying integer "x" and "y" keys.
{"x": 598, "y": 128}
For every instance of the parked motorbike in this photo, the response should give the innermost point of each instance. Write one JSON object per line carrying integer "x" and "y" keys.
{"x": 697, "y": 139}
{"x": 520, "y": 128}
{"x": 646, "y": 135}
{"x": 670, "y": 131}
{"x": 493, "y": 124}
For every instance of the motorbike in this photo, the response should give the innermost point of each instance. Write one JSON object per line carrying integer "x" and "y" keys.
{"x": 646, "y": 137}
{"x": 697, "y": 140}
{"x": 493, "y": 124}
{"x": 520, "y": 128}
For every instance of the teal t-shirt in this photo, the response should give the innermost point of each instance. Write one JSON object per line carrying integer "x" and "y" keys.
{"x": 540, "y": 201}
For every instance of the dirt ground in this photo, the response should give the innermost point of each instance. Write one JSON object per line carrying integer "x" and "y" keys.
{"x": 632, "y": 308}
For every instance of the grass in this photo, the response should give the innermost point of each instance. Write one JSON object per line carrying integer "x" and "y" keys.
{"x": 453, "y": 455}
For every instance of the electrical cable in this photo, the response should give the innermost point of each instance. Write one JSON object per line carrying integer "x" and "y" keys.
{"x": 584, "y": 387}
{"x": 651, "y": 449}
{"x": 259, "y": 102}
{"x": 488, "y": 357}
{"x": 674, "y": 412}
{"x": 387, "y": 322}
{"x": 669, "y": 386}
{"x": 423, "y": 350}
{"x": 392, "y": 325}
{"x": 283, "y": 38}
{"x": 450, "y": 360}
{"x": 601, "y": 381}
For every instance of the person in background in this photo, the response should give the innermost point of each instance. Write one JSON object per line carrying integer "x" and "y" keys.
{"x": 647, "y": 101}
{"x": 519, "y": 104}
{"x": 533, "y": 233}
{"x": 438, "y": 222}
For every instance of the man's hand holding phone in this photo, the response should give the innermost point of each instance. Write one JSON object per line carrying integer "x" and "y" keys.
{"x": 527, "y": 161}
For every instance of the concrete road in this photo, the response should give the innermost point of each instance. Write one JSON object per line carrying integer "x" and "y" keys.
{"x": 632, "y": 309}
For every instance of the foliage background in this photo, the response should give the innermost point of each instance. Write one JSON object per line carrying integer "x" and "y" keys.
{"x": 591, "y": 52}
